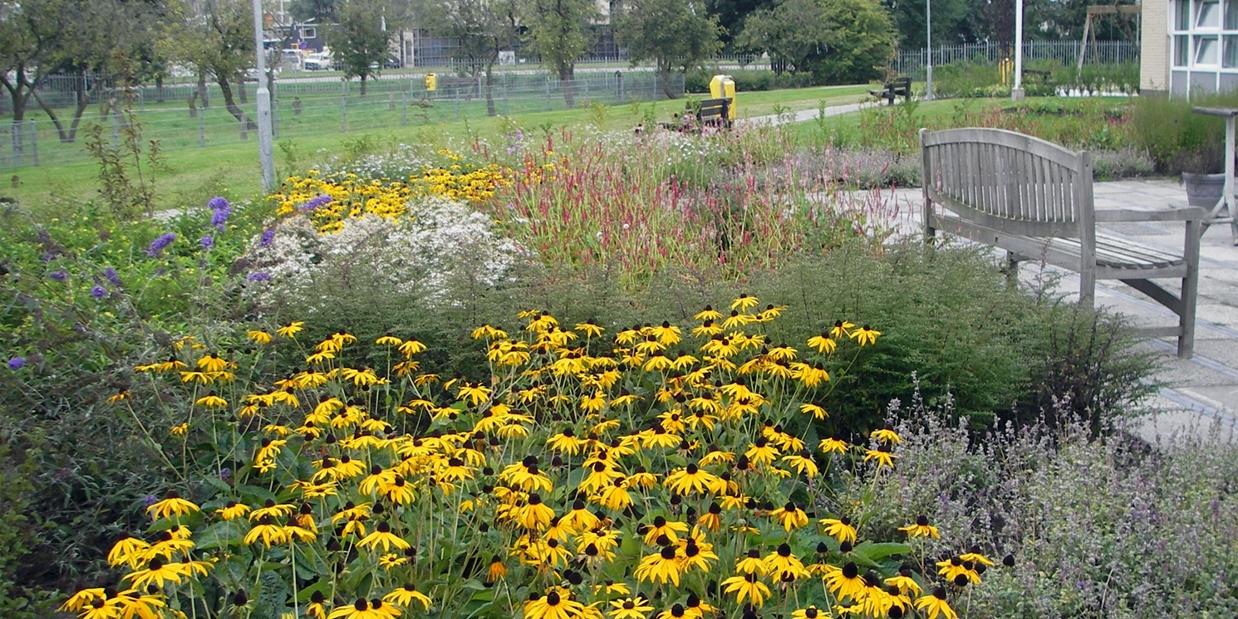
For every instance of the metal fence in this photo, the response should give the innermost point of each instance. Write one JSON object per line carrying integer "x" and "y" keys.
{"x": 1066, "y": 53}
{"x": 329, "y": 106}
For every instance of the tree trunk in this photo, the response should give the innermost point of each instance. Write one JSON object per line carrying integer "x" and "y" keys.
{"x": 664, "y": 75}
{"x": 490, "y": 111}
{"x": 233, "y": 108}
{"x": 240, "y": 86}
{"x": 158, "y": 89}
{"x": 202, "y": 91}
{"x": 363, "y": 76}
{"x": 567, "y": 79}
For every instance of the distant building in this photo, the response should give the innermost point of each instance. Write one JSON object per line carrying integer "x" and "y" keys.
{"x": 1189, "y": 47}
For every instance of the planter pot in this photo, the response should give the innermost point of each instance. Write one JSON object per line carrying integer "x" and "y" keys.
{"x": 1203, "y": 189}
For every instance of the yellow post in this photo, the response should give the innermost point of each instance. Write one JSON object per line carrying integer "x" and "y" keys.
{"x": 723, "y": 86}
{"x": 431, "y": 82}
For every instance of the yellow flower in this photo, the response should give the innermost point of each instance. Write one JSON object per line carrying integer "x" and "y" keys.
{"x": 173, "y": 505}
{"x": 744, "y": 303}
{"x": 233, "y": 510}
{"x": 127, "y": 550}
{"x": 158, "y": 573}
{"x": 887, "y": 436}
{"x": 660, "y": 567}
{"x": 261, "y": 337}
{"x": 790, "y": 516}
{"x": 82, "y": 599}
{"x": 291, "y": 329}
{"x": 383, "y": 536}
{"x": 406, "y": 595}
{"x": 935, "y": 604}
{"x": 921, "y": 528}
{"x": 180, "y": 430}
{"x": 210, "y": 400}
{"x": 748, "y": 586}
{"x": 823, "y": 343}
{"x": 882, "y": 455}
{"x": 840, "y": 529}
{"x": 840, "y": 329}
{"x": 865, "y": 335}
{"x": 630, "y": 608}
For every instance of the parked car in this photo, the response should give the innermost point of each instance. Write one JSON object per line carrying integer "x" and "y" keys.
{"x": 291, "y": 59}
{"x": 318, "y": 61}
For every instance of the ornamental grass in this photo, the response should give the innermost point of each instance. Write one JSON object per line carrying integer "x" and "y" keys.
{"x": 654, "y": 470}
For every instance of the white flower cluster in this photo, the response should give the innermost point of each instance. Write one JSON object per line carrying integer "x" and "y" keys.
{"x": 441, "y": 245}
{"x": 400, "y": 163}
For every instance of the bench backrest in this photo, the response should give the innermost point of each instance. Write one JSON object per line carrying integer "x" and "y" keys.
{"x": 1008, "y": 181}
{"x": 711, "y": 108}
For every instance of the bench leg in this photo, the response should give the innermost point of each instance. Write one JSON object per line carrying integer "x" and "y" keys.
{"x": 1087, "y": 287}
{"x": 1190, "y": 290}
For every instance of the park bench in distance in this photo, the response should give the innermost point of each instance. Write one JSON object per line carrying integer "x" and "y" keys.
{"x": 1033, "y": 199}
{"x": 704, "y": 113}
{"x": 898, "y": 87}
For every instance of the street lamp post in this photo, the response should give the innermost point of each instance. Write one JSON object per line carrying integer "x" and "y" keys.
{"x": 928, "y": 75}
{"x": 1016, "y": 93}
{"x": 266, "y": 156}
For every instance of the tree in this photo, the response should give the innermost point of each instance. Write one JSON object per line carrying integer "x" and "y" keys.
{"x": 559, "y": 30}
{"x": 837, "y": 41}
{"x": 484, "y": 28}
{"x": 219, "y": 40}
{"x": 29, "y": 31}
{"x": 732, "y": 13}
{"x": 954, "y": 21}
{"x": 674, "y": 33}
{"x": 320, "y": 11}
{"x": 361, "y": 39}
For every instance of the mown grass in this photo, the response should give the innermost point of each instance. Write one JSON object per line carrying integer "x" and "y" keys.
{"x": 229, "y": 165}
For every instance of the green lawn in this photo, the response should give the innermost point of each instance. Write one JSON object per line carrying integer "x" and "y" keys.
{"x": 228, "y": 162}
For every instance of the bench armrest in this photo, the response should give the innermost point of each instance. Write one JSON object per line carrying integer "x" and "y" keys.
{"x": 1116, "y": 215}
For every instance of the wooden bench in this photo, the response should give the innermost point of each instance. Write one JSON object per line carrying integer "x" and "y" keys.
{"x": 1033, "y": 199}
{"x": 703, "y": 113}
{"x": 898, "y": 87}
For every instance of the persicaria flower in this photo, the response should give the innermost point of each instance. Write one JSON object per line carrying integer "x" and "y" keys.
{"x": 158, "y": 245}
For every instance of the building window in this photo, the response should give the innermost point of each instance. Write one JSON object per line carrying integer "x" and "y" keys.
{"x": 1205, "y": 51}
{"x": 1229, "y": 59}
{"x": 1208, "y": 14}
{"x": 308, "y": 33}
{"x": 1182, "y": 53}
{"x": 1182, "y": 15}
{"x": 1231, "y": 15}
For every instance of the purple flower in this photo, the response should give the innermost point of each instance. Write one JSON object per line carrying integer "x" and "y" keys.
{"x": 149, "y": 500}
{"x": 225, "y": 473}
{"x": 48, "y": 257}
{"x": 158, "y": 245}
{"x": 110, "y": 275}
{"x": 315, "y": 203}
{"x": 207, "y": 242}
{"x": 98, "y": 292}
{"x": 219, "y": 203}
{"x": 268, "y": 235}
{"x": 59, "y": 276}
{"x": 16, "y": 363}
{"x": 219, "y": 218}
{"x": 259, "y": 276}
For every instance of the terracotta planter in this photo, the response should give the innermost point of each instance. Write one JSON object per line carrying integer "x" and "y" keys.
{"x": 1203, "y": 189}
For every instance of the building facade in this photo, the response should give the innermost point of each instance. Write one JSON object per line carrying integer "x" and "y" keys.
{"x": 1189, "y": 47}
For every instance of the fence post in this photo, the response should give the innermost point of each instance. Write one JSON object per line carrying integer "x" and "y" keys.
{"x": 547, "y": 106}
{"x": 455, "y": 93}
{"x": 344, "y": 106}
{"x": 507, "y": 102}
{"x": 34, "y": 142}
{"x": 115, "y": 127}
{"x": 202, "y": 128}
{"x": 404, "y": 107}
{"x": 275, "y": 118}
{"x": 17, "y": 143}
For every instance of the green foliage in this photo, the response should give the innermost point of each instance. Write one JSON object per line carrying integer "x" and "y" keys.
{"x": 126, "y": 170}
{"x": 746, "y": 80}
{"x": 1171, "y": 133}
{"x": 559, "y": 32}
{"x": 362, "y": 39}
{"x": 673, "y": 33}
{"x": 836, "y": 41}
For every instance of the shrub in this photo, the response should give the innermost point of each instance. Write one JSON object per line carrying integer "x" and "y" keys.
{"x": 1094, "y": 526}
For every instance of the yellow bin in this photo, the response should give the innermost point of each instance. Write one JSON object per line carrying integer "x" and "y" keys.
{"x": 723, "y": 86}
{"x": 431, "y": 82}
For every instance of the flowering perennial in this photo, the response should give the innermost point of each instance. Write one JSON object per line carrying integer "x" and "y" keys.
{"x": 653, "y": 470}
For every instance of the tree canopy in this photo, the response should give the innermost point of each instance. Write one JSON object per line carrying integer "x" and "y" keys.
{"x": 669, "y": 32}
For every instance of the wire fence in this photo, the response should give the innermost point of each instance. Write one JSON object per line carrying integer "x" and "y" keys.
{"x": 1066, "y": 53}
{"x": 302, "y": 109}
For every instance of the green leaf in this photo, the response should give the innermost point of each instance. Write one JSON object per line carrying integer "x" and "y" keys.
{"x": 219, "y": 535}
{"x": 877, "y": 552}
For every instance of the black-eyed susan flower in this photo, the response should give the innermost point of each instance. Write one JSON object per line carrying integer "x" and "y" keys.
{"x": 752, "y": 563}
{"x": 663, "y": 527}
{"x": 676, "y": 611}
{"x": 974, "y": 555}
{"x": 133, "y": 603}
{"x": 497, "y": 569}
{"x": 904, "y": 581}
{"x": 886, "y": 436}
{"x": 663, "y": 566}
{"x": 790, "y": 516}
{"x": 812, "y": 612}
{"x": 839, "y": 529}
{"x": 921, "y": 528}
{"x": 317, "y": 608}
{"x": 172, "y": 505}
{"x": 865, "y": 335}
{"x": 762, "y": 452}
{"x": 158, "y": 573}
{"x": 382, "y": 536}
{"x": 361, "y": 609}
{"x": 835, "y": 445}
{"x": 709, "y": 313}
{"x": 783, "y": 562}
{"x": 553, "y": 605}
{"x": 630, "y": 608}
{"x": 590, "y": 328}
{"x": 83, "y": 599}
{"x": 408, "y": 594}
{"x": 881, "y": 455}
{"x": 841, "y": 329}
{"x": 291, "y": 329}
{"x": 688, "y": 480}
{"x": 747, "y": 587}
{"x": 744, "y": 302}
{"x": 935, "y": 605}
{"x": 823, "y": 343}
{"x": 846, "y": 582}
{"x": 267, "y": 531}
